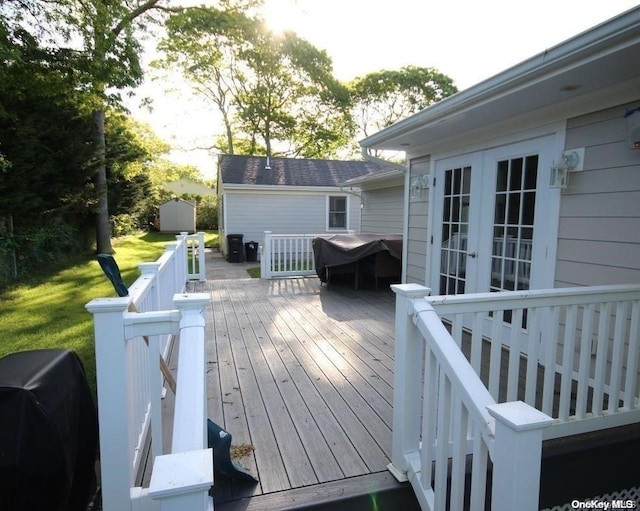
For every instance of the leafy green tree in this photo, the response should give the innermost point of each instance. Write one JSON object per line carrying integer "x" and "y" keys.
{"x": 276, "y": 93}
{"x": 44, "y": 134}
{"x": 103, "y": 36}
{"x": 382, "y": 98}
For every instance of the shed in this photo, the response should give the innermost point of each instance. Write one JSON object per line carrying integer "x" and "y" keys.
{"x": 289, "y": 195}
{"x": 178, "y": 215}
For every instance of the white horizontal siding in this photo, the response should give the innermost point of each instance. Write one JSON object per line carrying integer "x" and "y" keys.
{"x": 383, "y": 210}
{"x": 250, "y": 214}
{"x": 599, "y": 232}
{"x": 417, "y": 229}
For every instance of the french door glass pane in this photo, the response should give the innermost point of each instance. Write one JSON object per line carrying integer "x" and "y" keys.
{"x": 513, "y": 225}
{"x": 455, "y": 227}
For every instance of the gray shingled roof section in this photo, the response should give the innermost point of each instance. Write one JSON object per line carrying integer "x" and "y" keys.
{"x": 250, "y": 170}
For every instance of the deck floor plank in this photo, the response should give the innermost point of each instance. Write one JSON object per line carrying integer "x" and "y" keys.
{"x": 271, "y": 468}
{"x": 310, "y": 390}
{"x": 291, "y": 419}
{"x": 359, "y": 418}
{"x": 362, "y": 384}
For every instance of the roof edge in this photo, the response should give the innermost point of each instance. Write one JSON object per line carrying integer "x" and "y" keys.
{"x": 586, "y": 42}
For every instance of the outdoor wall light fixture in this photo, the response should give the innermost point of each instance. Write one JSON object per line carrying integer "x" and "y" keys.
{"x": 569, "y": 160}
{"x": 418, "y": 184}
{"x": 633, "y": 128}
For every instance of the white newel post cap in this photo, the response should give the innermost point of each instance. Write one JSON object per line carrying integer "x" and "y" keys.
{"x": 519, "y": 416}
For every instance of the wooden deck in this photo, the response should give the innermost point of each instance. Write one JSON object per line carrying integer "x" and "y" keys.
{"x": 305, "y": 376}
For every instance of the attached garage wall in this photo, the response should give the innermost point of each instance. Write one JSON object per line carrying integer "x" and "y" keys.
{"x": 599, "y": 235}
{"x": 383, "y": 210}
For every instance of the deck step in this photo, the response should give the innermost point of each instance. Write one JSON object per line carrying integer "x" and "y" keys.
{"x": 361, "y": 493}
{"x": 590, "y": 464}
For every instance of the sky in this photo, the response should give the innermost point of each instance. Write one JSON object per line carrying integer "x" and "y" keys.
{"x": 468, "y": 40}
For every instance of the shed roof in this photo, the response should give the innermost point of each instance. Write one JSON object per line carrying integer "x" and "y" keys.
{"x": 255, "y": 170}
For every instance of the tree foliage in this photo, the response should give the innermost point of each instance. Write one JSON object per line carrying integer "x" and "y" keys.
{"x": 276, "y": 93}
{"x": 382, "y": 98}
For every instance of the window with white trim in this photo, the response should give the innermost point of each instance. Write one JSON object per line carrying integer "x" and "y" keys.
{"x": 337, "y": 212}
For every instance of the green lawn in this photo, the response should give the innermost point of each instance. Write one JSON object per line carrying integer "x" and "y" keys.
{"x": 47, "y": 311}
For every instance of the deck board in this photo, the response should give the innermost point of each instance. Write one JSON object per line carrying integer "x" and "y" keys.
{"x": 303, "y": 374}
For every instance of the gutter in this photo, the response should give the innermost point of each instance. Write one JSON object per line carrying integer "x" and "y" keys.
{"x": 373, "y": 159}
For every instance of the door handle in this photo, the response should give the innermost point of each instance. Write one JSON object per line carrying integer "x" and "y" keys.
{"x": 472, "y": 254}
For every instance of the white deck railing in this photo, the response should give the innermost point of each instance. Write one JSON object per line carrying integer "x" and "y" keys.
{"x": 287, "y": 255}
{"x": 581, "y": 341}
{"x": 131, "y": 334}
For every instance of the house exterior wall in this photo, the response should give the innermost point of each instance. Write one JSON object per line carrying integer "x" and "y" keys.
{"x": 599, "y": 234}
{"x": 417, "y": 232}
{"x": 382, "y": 211}
{"x": 177, "y": 216}
{"x": 251, "y": 213}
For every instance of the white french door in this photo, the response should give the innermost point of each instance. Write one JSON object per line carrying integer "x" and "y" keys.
{"x": 490, "y": 221}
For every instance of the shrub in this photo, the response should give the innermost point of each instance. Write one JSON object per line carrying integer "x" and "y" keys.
{"x": 207, "y": 214}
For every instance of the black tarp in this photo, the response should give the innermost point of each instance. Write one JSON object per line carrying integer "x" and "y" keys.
{"x": 341, "y": 249}
{"x": 48, "y": 432}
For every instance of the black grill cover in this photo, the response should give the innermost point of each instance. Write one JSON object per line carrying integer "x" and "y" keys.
{"x": 339, "y": 249}
{"x": 48, "y": 432}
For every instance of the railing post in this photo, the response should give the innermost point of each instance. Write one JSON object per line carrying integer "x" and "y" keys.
{"x": 517, "y": 456}
{"x": 181, "y": 480}
{"x": 407, "y": 380}
{"x": 191, "y": 396}
{"x": 265, "y": 260}
{"x": 113, "y": 396}
{"x": 202, "y": 273}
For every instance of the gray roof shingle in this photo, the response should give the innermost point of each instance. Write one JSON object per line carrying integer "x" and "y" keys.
{"x": 251, "y": 170}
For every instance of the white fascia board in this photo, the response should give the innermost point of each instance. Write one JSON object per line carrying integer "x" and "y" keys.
{"x": 581, "y": 46}
{"x": 230, "y": 188}
{"x": 390, "y": 178}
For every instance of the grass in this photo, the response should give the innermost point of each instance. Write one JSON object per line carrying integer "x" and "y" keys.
{"x": 47, "y": 311}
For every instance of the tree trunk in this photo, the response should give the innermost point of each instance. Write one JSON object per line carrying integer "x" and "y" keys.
{"x": 103, "y": 228}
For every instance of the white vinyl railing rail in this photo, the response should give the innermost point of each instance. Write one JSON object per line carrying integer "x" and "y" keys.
{"x": 287, "y": 255}
{"x": 442, "y": 414}
{"x": 131, "y": 334}
{"x": 572, "y": 363}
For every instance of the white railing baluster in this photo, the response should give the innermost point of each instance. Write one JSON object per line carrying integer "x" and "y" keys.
{"x": 584, "y": 360}
{"x": 567, "y": 361}
{"x": 550, "y": 362}
{"x": 619, "y": 338}
{"x": 495, "y": 357}
{"x": 601, "y": 357}
{"x": 514, "y": 356}
{"x": 533, "y": 343}
{"x": 631, "y": 387}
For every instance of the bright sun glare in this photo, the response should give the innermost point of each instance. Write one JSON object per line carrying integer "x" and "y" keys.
{"x": 280, "y": 15}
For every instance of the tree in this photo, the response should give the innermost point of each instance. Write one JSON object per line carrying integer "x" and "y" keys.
{"x": 44, "y": 129}
{"x": 276, "y": 93}
{"x": 384, "y": 97}
{"x": 102, "y": 37}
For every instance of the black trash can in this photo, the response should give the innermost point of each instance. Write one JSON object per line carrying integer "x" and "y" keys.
{"x": 251, "y": 251}
{"x": 235, "y": 248}
{"x": 48, "y": 432}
